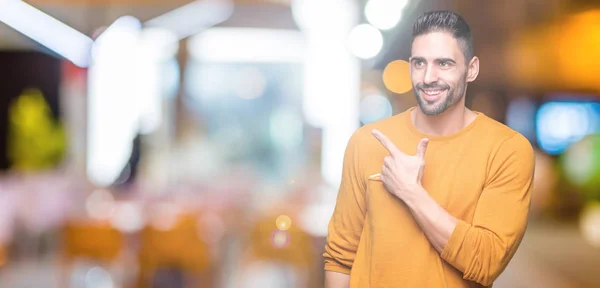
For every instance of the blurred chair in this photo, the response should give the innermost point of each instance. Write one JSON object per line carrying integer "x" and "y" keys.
{"x": 3, "y": 256}
{"x": 94, "y": 241}
{"x": 174, "y": 252}
{"x": 291, "y": 250}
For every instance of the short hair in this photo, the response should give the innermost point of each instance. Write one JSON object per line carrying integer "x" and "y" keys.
{"x": 446, "y": 21}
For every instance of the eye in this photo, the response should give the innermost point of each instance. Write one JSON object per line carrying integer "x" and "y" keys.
{"x": 419, "y": 63}
{"x": 444, "y": 64}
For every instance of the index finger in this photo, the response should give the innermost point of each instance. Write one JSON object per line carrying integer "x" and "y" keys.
{"x": 387, "y": 143}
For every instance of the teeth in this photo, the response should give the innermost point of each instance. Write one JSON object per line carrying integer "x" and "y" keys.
{"x": 433, "y": 92}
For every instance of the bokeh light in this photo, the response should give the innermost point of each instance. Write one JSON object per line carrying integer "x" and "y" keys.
{"x": 578, "y": 162}
{"x": 98, "y": 277}
{"x": 365, "y": 41}
{"x": 589, "y": 224}
{"x": 128, "y": 217}
{"x": 374, "y": 108}
{"x": 384, "y": 14}
{"x": 100, "y": 205}
{"x": 396, "y": 77}
{"x": 559, "y": 124}
{"x": 280, "y": 239}
{"x": 283, "y": 222}
{"x": 581, "y": 165}
{"x": 164, "y": 216}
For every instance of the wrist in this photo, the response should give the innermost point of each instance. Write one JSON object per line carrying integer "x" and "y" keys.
{"x": 416, "y": 196}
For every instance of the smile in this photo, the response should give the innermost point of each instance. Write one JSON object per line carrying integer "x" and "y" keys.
{"x": 433, "y": 94}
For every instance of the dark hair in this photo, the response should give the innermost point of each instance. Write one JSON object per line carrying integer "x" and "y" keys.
{"x": 446, "y": 21}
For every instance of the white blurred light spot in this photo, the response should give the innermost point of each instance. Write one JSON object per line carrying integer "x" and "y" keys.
{"x": 158, "y": 44}
{"x": 128, "y": 218}
{"x": 42, "y": 28}
{"x": 286, "y": 128}
{"x": 120, "y": 35}
{"x": 365, "y": 41}
{"x": 247, "y": 45}
{"x": 100, "y": 204}
{"x": 311, "y": 219}
{"x": 249, "y": 83}
{"x": 113, "y": 118}
{"x": 193, "y": 17}
{"x": 259, "y": 274}
{"x": 384, "y": 14}
{"x": 374, "y": 108}
{"x": 589, "y": 224}
{"x": 331, "y": 76}
{"x": 156, "y": 47}
{"x": 314, "y": 16}
{"x": 125, "y": 86}
{"x": 98, "y": 277}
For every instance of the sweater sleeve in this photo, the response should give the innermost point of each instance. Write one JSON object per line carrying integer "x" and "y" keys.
{"x": 346, "y": 224}
{"x": 482, "y": 249}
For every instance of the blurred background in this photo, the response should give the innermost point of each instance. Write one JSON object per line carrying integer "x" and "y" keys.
{"x": 149, "y": 143}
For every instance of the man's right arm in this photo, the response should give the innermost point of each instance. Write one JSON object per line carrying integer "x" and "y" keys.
{"x": 336, "y": 280}
{"x": 346, "y": 224}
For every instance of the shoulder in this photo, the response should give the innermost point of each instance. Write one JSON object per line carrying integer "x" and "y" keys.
{"x": 495, "y": 129}
{"x": 504, "y": 138}
{"x": 512, "y": 152}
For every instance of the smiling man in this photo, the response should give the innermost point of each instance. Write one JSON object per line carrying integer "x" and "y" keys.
{"x": 438, "y": 195}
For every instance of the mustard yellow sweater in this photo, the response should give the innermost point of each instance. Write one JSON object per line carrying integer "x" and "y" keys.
{"x": 481, "y": 175}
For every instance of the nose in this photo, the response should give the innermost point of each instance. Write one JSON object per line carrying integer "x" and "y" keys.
{"x": 430, "y": 75}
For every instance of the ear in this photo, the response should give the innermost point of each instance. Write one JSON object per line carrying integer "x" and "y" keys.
{"x": 473, "y": 69}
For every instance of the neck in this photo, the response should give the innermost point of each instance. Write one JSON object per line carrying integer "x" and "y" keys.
{"x": 448, "y": 122}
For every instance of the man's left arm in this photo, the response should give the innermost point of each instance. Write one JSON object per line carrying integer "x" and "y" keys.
{"x": 482, "y": 249}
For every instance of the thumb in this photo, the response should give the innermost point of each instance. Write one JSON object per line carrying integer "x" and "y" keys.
{"x": 422, "y": 147}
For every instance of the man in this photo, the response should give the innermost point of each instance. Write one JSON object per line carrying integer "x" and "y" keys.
{"x": 436, "y": 196}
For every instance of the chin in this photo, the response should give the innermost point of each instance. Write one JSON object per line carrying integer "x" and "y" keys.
{"x": 431, "y": 111}
{"x": 435, "y": 108}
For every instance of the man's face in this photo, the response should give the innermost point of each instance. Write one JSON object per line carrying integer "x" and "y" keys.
{"x": 438, "y": 72}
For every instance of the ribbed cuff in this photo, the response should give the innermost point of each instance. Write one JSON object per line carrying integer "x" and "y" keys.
{"x": 333, "y": 267}
{"x": 450, "y": 252}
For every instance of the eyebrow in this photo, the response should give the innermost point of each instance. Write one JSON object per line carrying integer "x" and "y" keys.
{"x": 412, "y": 59}
{"x": 445, "y": 60}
